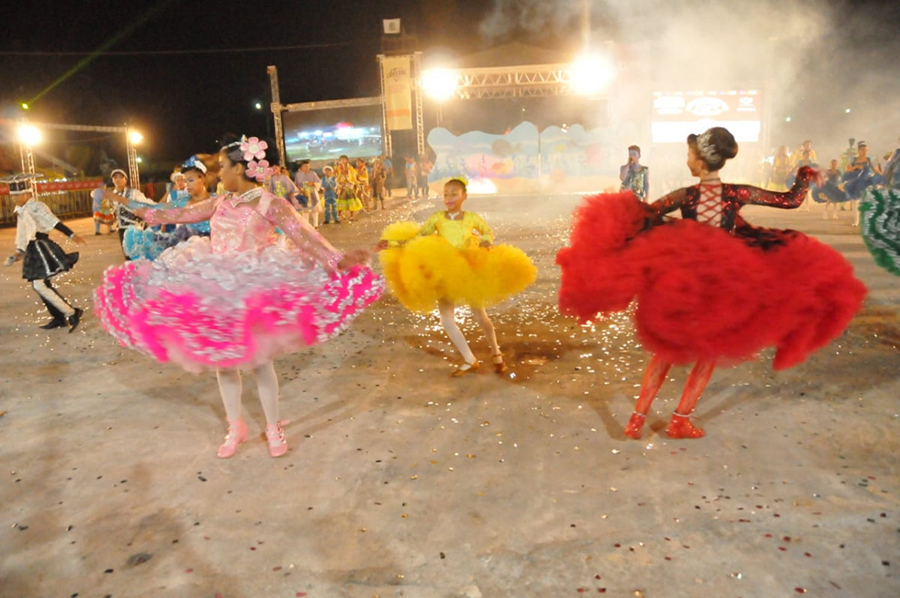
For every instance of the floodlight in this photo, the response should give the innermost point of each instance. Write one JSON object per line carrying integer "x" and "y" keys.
{"x": 439, "y": 84}
{"x": 591, "y": 74}
{"x": 30, "y": 135}
{"x": 134, "y": 137}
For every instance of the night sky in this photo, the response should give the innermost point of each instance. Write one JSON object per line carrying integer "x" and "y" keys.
{"x": 185, "y": 73}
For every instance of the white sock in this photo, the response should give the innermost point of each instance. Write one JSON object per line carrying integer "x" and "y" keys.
{"x": 267, "y": 385}
{"x": 455, "y": 334}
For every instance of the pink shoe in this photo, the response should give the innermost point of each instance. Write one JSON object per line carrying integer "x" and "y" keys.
{"x": 277, "y": 444}
{"x": 237, "y": 433}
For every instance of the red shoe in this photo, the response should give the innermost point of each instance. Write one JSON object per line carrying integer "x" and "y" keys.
{"x": 237, "y": 433}
{"x": 681, "y": 427}
{"x": 633, "y": 429}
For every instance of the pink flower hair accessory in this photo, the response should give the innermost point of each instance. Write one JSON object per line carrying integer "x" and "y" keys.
{"x": 254, "y": 148}
{"x": 258, "y": 170}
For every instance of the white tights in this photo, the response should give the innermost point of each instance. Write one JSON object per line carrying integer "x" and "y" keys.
{"x": 448, "y": 321}
{"x": 266, "y": 384}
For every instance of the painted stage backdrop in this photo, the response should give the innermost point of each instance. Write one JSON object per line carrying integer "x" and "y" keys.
{"x": 524, "y": 160}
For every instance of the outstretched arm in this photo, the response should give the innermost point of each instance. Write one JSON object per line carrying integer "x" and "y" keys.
{"x": 667, "y": 203}
{"x": 297, "y": 229}
{"x": 788, "y": 199}
{"x": 192, "y": 213}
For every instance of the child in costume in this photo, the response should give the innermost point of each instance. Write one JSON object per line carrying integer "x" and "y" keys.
{"x": 451, "y": 259}
{"x": 125, "y": 200}
{"x": 42, "y": 258}
{"x": 329, "y": 187}
{"x": 861, "y": 174}
{"x": 103, "y": 213}
{"x": 149, "y": 243}
{"x": 237, "y": 298}
{"x": 710, "y": 289}
{"x": 348, "y": 203}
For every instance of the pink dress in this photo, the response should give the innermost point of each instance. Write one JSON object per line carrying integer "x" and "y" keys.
{"x": 239, "y": 297}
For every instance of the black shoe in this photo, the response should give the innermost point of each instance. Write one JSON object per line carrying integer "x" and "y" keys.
{"x": 74, "y": 319}
{"x": 54, "y": 323}
{"x": 96, "y": 232}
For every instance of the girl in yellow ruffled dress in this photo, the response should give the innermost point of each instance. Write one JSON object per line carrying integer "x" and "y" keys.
{"x": 450, "y": 260}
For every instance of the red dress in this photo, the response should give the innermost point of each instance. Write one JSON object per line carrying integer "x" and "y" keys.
{"x": 708, "y": 286}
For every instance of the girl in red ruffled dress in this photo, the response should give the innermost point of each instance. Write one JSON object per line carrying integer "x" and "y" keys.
{"x": 710, "y": 289}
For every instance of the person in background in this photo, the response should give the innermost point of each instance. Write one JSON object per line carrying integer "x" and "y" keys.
{"x": 388, "y": 173}
{"x": 412, "y": 177}
{"x": 781, "y": 168}
{"x": 635, "y": 176}
{"x": 103, "y": 212}
{"x": 425, "y": 168}
{"x": 329, "y": 188}
{"x": 308, "y": 182}
{"x": 378, "y": 178}
{"x": 125, "y": 200}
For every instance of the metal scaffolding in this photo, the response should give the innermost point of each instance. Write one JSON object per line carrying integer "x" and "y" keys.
{"x": 513, "y": 82}
{"x": 134, "y": 175}
{"x": 277, "y": 109}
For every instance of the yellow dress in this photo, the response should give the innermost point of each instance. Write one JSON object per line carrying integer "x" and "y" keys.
{"x": 347, "y": 201}
{"x": 443, "y": 260}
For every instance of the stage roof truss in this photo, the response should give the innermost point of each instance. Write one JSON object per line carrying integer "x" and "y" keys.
{"x": 513, "y": 81}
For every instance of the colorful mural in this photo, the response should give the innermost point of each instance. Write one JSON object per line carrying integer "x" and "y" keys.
{"x": 525, "y": 160}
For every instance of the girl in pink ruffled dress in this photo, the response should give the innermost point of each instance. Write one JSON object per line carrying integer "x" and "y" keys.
{"x": 239, "y": 297}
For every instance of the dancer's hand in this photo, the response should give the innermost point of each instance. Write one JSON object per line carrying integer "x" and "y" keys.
{"x": 382, "y": 245}
{"x": 354, "y": 257}
{"x": 486, "y": 244}
{"x": 78, "y": 240}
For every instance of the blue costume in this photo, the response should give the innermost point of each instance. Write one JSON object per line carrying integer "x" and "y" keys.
{"x": 149, "y": 243}
{"x": 858, "y": 180}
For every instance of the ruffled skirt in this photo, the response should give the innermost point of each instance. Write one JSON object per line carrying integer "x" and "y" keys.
{"x": 205, "y": 310}
{"x": 428, "y": 269}
{"x": 702, "y": 293}
{"x": 879, "y": 224}
{"x": 45, "y": 258}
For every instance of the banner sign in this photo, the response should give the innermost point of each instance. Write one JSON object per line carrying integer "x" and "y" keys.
{"x": 678, "y": 114}
{"x": 57, "y": 186}
{"x": 397, "y": 92}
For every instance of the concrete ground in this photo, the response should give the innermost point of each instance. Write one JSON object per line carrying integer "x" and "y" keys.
{"x": 402, "y": 481}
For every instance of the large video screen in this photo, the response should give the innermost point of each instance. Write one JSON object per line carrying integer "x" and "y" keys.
{"x": 321, "y": 136}
{"x": 678, "y": 114}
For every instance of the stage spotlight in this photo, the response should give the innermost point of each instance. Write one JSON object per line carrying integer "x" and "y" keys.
{"x": 134, "y": 137}
{"x": 258, "y": 105}
{"x": 30, "y": 135}
{"x": 591, "y": 74}
{"x": 439, "y": 84}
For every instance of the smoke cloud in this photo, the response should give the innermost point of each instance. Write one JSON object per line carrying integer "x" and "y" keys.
{"x": 812, "y": 59}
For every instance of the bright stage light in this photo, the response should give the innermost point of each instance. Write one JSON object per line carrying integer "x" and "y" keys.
{"x": 139, "y": 160}
{"x": 24, "y": 105}
{"x": 591, "y": 74}
{"x": 258, "y": 105}
{"x": 30, "y": 135}
{"x": 134, "y": 137}
{"x": 439, "y": 84}
{"x": 481, "y": 187}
